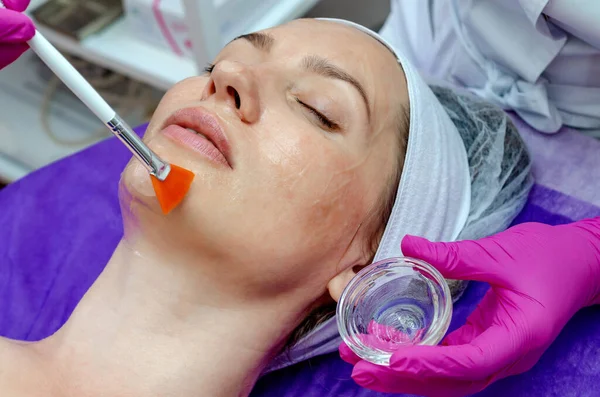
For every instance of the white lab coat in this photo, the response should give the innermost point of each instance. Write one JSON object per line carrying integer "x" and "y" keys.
{"x": 540, "y": 58}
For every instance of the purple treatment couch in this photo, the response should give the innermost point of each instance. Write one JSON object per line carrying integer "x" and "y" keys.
{"x": 59, "y": 226}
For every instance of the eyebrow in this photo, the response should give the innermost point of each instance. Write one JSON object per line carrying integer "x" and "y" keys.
{"x": 262, "y": 41}
{"x": 312, "y": 63}
{"x": 323, "y": 67}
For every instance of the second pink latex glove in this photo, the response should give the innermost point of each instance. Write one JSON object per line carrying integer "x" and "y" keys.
{"x": 540, "y": 276}
{"x": 15, "y": 30}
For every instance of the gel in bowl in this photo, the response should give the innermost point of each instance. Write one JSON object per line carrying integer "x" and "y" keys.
{"x": 393, "y": 303}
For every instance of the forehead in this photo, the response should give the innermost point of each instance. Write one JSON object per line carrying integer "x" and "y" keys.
{"x": 335, "y": 38}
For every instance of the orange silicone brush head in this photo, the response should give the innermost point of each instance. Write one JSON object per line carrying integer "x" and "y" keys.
{"x": 173, "y": 189}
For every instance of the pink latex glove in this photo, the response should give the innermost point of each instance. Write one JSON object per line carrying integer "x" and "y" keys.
{"x": 540, "y": 276}
{"x": 15, "y": 30}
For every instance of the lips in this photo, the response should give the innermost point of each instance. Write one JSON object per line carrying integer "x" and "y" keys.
{"x": 201, "y": 131}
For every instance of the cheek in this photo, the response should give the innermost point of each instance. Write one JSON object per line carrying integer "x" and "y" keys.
{"x": 334, "y": 206}
{"x": 298, "y": 157}
{"x": 316, "y": 190}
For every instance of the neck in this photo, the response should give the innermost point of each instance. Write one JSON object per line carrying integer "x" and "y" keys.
{"x": 152, "y": 325}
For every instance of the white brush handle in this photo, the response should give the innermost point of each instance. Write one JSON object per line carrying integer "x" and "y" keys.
{"x": 90, "y": 97}
{"x": 71, "y": 77}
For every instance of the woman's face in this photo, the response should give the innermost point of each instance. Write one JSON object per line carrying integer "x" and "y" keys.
{"x": 308, "y": 111}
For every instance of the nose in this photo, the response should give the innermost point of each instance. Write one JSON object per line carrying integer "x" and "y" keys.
{"x": 235, "y": 84}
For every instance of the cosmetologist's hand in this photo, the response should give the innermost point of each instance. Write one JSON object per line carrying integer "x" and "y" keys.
{"x": 539, "y": 275}
{"x": 15, "y": 29}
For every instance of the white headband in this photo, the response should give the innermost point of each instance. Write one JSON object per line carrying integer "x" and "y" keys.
{"x": 434, "y": 194}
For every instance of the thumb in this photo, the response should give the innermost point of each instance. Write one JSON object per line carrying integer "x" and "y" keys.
{"x": 462, "y": 260}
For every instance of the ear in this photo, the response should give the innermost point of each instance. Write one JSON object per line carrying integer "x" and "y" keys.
{"x": 337, "y": 284}
{"x": 353, "y": 260}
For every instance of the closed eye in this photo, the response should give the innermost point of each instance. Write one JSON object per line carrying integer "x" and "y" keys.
{"x": 326, "y": 122}
{"x": 209, "y": 68}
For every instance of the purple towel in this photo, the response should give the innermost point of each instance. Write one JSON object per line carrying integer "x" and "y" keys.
{"x": 60, "y": 225}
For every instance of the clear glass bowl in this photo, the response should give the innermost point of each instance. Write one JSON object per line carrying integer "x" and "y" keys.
{"x": 393, "y": 303}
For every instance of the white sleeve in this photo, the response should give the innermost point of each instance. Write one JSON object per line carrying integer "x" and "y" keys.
{"x": 580, "y": 18}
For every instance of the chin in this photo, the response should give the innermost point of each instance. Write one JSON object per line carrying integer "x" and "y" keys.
{"x": 136, "y": 192}
{"x": 136, "y": 179}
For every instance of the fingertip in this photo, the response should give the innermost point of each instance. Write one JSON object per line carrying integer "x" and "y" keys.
{"x": 18, "y": 29}
{"x": 404, "y": 358}
{"x": 16, "y": 5}
{"x": 377, "y": 377}
{"x": 447, "y": 257}
{"x": 363, "y": 379}
{"x": 424, "y": 360}
{"x": 27, "y": 30}
{"x": 415, "y": 246}
{"x": 364, "y": 374}
{"x": 434, "y": 253}
{"x": 348, "y": 355}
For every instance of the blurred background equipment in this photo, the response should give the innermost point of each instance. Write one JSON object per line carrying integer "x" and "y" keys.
{"x": 77, "y": 19}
